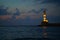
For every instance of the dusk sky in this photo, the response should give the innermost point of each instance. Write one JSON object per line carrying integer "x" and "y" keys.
{"x": 28, "y": 12}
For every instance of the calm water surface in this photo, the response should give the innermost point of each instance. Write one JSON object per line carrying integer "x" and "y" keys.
{"x": 28, "y": 32}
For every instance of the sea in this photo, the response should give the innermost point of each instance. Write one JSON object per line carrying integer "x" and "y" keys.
{"x": 30, "y": 33}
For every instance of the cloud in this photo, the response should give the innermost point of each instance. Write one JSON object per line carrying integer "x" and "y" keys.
{"x": 21, "y": 17}
{"x": 5, "y": 17}
{"x": 41, "y": 2}
{"x": 56, "y": 2}
{"x": 17, "y": 12}
{"x": 3, "y": 10}
{"x": 9, "y": 11}
{"x": 24, "y": 16}
{"x": 51, "y": 1}
{"x": 37, "y": 11}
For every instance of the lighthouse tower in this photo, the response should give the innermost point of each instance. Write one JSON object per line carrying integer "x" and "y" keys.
{"x": 44, "y": 21}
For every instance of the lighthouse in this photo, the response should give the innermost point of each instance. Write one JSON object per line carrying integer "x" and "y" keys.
{"x": 44, "y": 21}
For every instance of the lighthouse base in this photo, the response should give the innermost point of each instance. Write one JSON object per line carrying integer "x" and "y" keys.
{"x": 44, "y": 23}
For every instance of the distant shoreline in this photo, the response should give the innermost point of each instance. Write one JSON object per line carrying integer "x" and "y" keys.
{"x": 49, "y": 25}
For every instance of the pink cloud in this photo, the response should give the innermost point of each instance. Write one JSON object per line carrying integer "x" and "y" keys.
{"x": 31, "y": 15}
{"x": 5, "y": 17}
{"x": 21, "y": 16}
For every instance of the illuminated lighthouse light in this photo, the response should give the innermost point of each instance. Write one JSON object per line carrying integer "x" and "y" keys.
{"x": 46, "y": 20}
{"x": 45, "y": 17}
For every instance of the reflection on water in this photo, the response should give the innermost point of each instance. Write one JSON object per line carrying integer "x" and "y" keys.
{"x": 44, "y": 35}
{"x": 29, "y": 32}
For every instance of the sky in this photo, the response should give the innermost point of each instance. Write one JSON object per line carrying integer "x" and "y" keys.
{"x": 28, "y": 12}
